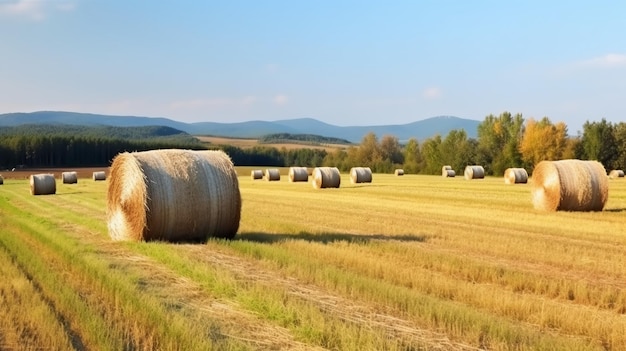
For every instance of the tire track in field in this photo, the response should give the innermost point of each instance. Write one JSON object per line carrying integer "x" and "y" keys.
{"x": 347, "y": 310}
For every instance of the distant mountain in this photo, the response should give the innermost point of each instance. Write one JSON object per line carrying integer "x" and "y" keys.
{"x": 421, "y": 130}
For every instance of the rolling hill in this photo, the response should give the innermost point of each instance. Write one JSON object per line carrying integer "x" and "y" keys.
{"x": 421, "y": 129}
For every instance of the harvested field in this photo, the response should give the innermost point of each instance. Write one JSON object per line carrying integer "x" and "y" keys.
{"x": 413, "y": 262}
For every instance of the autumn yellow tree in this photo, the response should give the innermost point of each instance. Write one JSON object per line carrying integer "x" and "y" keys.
{"x": 543, "y": 140}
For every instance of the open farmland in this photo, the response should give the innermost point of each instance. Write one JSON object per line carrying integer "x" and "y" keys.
{"x": 403, "y": 263}
{"x": 250, "y": 143}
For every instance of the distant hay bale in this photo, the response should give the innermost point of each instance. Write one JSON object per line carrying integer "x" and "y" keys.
{"x": 474, "y": 172}
{"x": 399, "y": 172}
{"x": 1, "y": 180}
{"x": 569, "y": 185}
{"x": 256, "y": 174}
{"x": 272, "y": 174}
{"x": 173, "y": 195}
{"x": 326, "y": 177}
{"x": 616, "y": 173}
{"x": 360, "y": 175}
{"x": 449, "y": 173}
{"x": 515, "y": 176}
{"x": 43, "y": 184}
{"x": 298, "y": 174}
{"x": 69, "y": 177}
{"x": 98, "y": 176}
{"x": 444, "y": 169}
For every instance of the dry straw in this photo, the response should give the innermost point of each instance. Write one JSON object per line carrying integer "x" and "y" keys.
{"x": 43, "y": 184}
{"x": 69, "y": 177}
{"x": 616, "y": 173}
{"x": 326, "y": 177}
{"x": 298, "y": 174}
{"x": 399, "y": 172}
{"x": 100, "y": 175}
{"x": 256, "y": 174}
{"x": 272, "y": 174}
{"x": 569, "y": 185}
{"x": 173, "y": 195}
{"x": 515, "y": 176}
{"x": 474, "y": 172}
{"x": 360, "y": 175}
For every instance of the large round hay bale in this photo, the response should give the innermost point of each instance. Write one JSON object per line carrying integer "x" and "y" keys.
{"x": 173, "y": 195}
{"x": 616, "y": 173}
{"x": 449, "y": 173}
{"x": 474, "y": 172}
{"x": 569, "y": 185}
{"x": 272, "y": 174}
{"x": 326, "y": 177}
{"x": 256, "y": 174}
{"x": 43, "y": 184}
{"x": 360, "y": 175}
{"x": 69, "y": 177}
{"x": 298, "y": 174}
{"x": 99, "y": 175}
{"x": 398, "y": 172}
{"x": 515, "y": 176}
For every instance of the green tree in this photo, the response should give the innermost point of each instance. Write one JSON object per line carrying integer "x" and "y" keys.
{"x": 456, "y": 150}
{"x": 598, "y": 143}
{"x": 413, "y": 161}
{"x": 431, "y": 151}
{"x": 498, "y": 141}
{"x": 619, "y": 132}
{"x": 391, "y": 150}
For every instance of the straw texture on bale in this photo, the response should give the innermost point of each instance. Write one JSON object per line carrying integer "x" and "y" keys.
{"x": 399, "y": 172}
{"x": 272, "y": 174}
{"x": 173, "y": 195}
{"x": 100, "y": 175}
{"x": 444, "y": 169}
{"x": 616, "y": 173}
{"x": 43, "y": 184}
{"x": 515, "y": 176}
{"x": 298, "y": 174}
{"x": 449, "y": 173}
{"x": 256, "y": 174}
{"x": 69, "y": 177}
{"x": 569, "y": 185}
{"x": 360, "y": 175}
{"x": 474, "y": 172}
{"x": 326, "y": 177}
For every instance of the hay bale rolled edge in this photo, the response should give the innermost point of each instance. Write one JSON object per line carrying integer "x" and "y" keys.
{"x": 43, "y": 184}
{"x": 69, "y": 177}
{"x": 449, "y": 173}
{"x": 515, "y": 176}
{"x": 399, "y": 172}
{"x": 256, "y": 174}
{"x": 173, "y": 195}
{"x": 445, "y": 169}
{"x": 99, "y": 175}
{"x": 272, "y": 174}
{"x": 474, "y": 172}
{"x": 326, "y": 177}
{"x": 569, "y": 185}
{"x": 360, "y": 175}
{"x": 298, "y": 174}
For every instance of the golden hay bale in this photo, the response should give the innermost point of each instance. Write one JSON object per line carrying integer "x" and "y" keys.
{"x": 616, "y": 173}
{"x": 326, "y": 177}
{"x": 449, "y": 173}
{"x": 43, "y": 184}
{"x": 173, "y": 195}
{"x": 569, "y": 185}
{"x": 399, "y": 172}
{"x": 515, "y": 176}
{"x": 360, "y": 175}
{"x": 272, "y": 174}
{"x": 444, "y": 170}
{"x": 100, "y": 175}
{"x": 298, "y": 174}
{"x": 474, "y": 172}
{"x": 256, "y": 174}
{"x": 69, "y": 177}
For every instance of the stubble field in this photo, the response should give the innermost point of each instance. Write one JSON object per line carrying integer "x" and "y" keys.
{"x": 405, "y": 263}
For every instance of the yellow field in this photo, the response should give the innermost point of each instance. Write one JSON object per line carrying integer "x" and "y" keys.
{"x": 249, "y": 143}
{"x": 404, "y": 263}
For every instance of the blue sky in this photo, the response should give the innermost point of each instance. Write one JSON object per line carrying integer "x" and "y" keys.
{"x": 342, "y": 62}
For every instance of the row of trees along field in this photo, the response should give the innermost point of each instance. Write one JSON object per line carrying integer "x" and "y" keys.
{"x": 503, "y": 141}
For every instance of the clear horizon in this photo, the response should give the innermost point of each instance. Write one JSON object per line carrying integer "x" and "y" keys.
{"x": 351, "y": 63}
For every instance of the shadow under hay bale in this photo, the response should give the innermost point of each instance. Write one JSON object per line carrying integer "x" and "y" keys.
{"x": 398, "y": 172}
{"x": 569, "y": 185}
{"x": 256, "y": 174}
{"x": 69, "y": 177}
{"x": 99, "y": 176}
{"x": 474, "y": 172}
{"x": 272, "y": 174}
{"x": 360, "y": 175}
{"x": 298, "y": 174}
{"x": 616, "y": 173}
{"x": 326, "y": 177}
{"x": 173, "y": 195}
{"x": 515, "y": 176}
{"x": 43, "y": 184}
